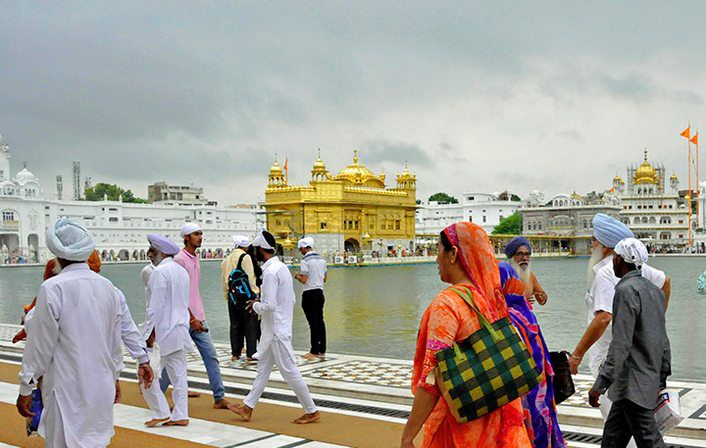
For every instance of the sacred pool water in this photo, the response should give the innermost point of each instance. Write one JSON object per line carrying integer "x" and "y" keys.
{"x": 375, "y": 311}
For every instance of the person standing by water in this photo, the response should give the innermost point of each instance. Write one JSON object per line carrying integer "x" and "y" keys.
{"x": 167, "y": 325}
{"x": 244, "y": 326}
{"x": 187, "y": 258}
{"x": 75, "y": 345}
{"x": 639, "y": 360}
{"x": 540, "y": 409}
{"x": 519, "y": 254}
{"x": 276, "y": 306}
{"x": 466, "y": 259}
{"x": 607, "y": 232}
{"x": 313, "y": 275}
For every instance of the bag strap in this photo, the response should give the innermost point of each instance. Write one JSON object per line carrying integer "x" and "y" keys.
{"x": 240, "y": 262}
{"x": 467, "y": 297}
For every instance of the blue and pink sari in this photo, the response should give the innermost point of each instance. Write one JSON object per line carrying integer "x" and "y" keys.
{"x": 538, "y": 405}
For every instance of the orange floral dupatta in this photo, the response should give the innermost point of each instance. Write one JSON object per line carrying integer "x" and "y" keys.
{"x": 449, "y": 319}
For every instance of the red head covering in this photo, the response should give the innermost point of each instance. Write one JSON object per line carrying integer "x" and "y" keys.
{"x": 94, "y": 262}
{"x": 477, "y": 258}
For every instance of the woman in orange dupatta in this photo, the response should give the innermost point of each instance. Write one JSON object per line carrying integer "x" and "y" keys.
{"x": 466, "y": 258}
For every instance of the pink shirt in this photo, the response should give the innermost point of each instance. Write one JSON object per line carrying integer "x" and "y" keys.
{"x": 193, "y": 268}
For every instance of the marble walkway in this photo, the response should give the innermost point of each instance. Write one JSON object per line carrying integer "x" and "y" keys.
{"x": 378, "y": 388}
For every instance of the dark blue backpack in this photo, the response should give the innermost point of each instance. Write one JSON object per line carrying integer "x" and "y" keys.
{"x": 239, "y": 290}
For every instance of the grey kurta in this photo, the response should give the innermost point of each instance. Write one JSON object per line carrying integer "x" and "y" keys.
{"x": 639, "y": 360}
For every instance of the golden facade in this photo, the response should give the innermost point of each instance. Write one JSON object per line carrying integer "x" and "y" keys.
{"x": 352, "y": 210}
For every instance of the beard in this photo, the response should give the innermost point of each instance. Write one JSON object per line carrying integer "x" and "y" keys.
{"x": 596, "y": 257}
{"x": 523, "y": 271}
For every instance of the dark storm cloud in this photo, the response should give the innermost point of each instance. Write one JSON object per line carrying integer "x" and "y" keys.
{"x": 209, "y": 92}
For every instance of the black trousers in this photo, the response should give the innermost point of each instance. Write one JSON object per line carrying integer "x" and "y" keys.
{"x": 313, "y": 306}
{"x": 627, "y": 419}
{"x": 244, "y": 326}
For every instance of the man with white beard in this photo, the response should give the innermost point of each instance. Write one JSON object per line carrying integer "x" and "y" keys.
{"x": 607, "y": 232}
{"x": 75, "y": 345}
{"x": 519, "y": 254}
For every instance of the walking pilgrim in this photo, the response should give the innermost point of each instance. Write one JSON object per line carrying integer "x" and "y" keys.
{"x": 75, "y": 345}
{"x": 198, "y": 330}
{"x": 607, "y": 232}
{"x": 276, "y": 306}
{"x": 167, "y": 325}
{"x": 639, "y": 359}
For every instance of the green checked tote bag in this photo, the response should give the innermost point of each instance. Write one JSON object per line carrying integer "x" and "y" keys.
{"x": 487, "y": 370}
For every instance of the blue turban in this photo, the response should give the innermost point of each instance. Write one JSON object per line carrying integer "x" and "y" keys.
{"x": 162, "y": 244}
{"x": 514, "y": 245}
{"x": 609, "y": 231}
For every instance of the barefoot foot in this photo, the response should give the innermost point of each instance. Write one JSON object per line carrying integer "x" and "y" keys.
{"x": 243, "y": 411}
{"x": 221, "y": 404}
{"x": 307, "y": 418}
{"x": 156, "y": 421}
{"x": 176, "y": 423}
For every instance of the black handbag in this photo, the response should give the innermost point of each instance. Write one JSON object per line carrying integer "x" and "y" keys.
{"x": 562, "y": 380}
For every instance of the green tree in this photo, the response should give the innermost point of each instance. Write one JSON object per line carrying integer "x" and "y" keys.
{"x": 100, "y": 190}
{"x": 443, "y": 198}
{"x": 512, "y": 225}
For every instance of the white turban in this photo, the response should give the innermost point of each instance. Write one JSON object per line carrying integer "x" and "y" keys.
{"x": 261, "y": 241}
{"x": 163, "y": 244}
{"x": 189, "y": 228}
{"x": 632, "y": 251}
{"x": 69, "y": 240}
{"x": 241, "y": 241}
{"x": 306, "y": 242}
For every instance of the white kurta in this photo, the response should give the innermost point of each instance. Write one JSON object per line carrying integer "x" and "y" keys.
{"x": 75, "y": 345}
{"x": 276, "y": 307}
{"x": 168, "y": 316}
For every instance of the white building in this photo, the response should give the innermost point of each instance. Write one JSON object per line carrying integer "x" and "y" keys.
{"x": 656, "y": 215}
{"x": 484, "y": 209}
{"x": 119, "y": 229}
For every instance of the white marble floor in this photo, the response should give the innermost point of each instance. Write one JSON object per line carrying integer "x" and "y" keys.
{"x": 199, "y": 431}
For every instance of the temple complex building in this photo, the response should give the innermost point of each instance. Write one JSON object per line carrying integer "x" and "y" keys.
{"x": 654, "y": 211}
{"x": 350, "y": 211}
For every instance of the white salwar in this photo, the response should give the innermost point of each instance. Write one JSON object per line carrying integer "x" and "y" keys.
{"x": 168, "y": 316}
{"x": 75, "y": 345}
{"x": 276, "y": 307}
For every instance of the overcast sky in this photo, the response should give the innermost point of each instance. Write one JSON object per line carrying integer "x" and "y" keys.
{"x": 555, "y": 96}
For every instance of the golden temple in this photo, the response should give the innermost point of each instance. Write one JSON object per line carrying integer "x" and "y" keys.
{"x": 352, "y": 211}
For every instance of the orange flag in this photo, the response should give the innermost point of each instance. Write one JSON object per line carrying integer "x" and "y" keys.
{"x": 686, "y": 133}
{"x": 695, "y": 139}
{"x": 286, "y": 164}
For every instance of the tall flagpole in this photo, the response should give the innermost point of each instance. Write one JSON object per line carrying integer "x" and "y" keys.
{"x": 697, "y": 176}
{"x": 688, "y": 144}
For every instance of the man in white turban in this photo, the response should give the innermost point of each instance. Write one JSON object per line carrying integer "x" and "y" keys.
{"x": 188, "y": 259}
{"x": 608, "y": 232}
{"x": 313, "y": 274}
{"x": 167, "y": 326}
{"x": 276, "y": 306}
{"x": 638, "y": 361}
{"x": 81, "y": 368}
{"x": 239, "y": 279}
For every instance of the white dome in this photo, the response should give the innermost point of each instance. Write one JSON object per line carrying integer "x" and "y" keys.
{"x": 25, "y": 176}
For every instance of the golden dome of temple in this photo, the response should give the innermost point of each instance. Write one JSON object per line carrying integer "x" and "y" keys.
{"x": 275, "y": 169}
{"x": 674, "y": 177}
{"x": 356, "y": 173}
{"x": 406, "y": 175}
{"x": 617, "y": 179}
{"x": 645, "y": 174}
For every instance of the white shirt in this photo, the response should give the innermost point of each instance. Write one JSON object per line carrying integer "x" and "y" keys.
{"x": 75, "y": 345}
{"x": 168, "y": 309}
{"x": 600, "y": 298}
{"x": 132, "y": 338}
{"x": 313, "y": 266}
{"x": 276, "y": 304}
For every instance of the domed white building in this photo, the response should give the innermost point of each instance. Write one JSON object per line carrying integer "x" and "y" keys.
{"x": 119, "y": 229}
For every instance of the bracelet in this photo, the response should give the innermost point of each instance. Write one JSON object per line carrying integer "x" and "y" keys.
{"x": 578, "y": 358}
